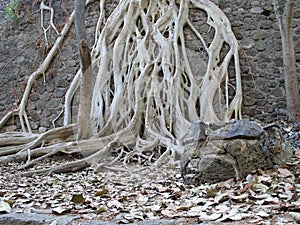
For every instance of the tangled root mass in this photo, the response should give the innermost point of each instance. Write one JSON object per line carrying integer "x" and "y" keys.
{"x": 146, "y": 92}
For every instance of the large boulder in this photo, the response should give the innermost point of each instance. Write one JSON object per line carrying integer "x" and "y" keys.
{"x": 216, "y": 152}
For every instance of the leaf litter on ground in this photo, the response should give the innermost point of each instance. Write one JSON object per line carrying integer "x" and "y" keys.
{"x": 129, "y": 197}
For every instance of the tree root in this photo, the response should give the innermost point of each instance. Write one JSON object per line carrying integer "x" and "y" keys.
{"x": 145, "y": 95}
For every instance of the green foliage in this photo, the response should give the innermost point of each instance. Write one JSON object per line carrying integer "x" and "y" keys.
{"x": 12, "y": 9}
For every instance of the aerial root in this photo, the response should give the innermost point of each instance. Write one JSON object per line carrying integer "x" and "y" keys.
{"x": 145, "y": 95}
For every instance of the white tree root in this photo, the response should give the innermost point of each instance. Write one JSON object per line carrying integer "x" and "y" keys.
{"x": 145, "y": 94}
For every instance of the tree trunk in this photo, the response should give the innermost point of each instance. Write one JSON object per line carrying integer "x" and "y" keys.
{"x": 284, "y": 14}
{"x": 87, "y": 77}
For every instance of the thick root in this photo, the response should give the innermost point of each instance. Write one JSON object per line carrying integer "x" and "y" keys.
{"x": 145, "y": 95}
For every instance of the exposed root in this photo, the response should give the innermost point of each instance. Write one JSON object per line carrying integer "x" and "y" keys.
{"x": 69, "y": 167}
{"x": 145, "y": 95}
{"x": 44, "y": 7}
{"x": 16, "y": 138}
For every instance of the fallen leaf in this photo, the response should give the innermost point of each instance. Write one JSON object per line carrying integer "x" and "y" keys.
{"x": 296, "y": 216}
{"x": 101, "y": 192}
{"x": 115, "y": 203}
{"x": 141, "y": 199}
{"x": 234, "y": 214}
{"x": 259, "y": 187}
{"x": 283, "y": 172}
{"x": 259, "y": 196}
{"x": 211, "y": 193}
{"x": 155, "y": 207}
{"x": 168, "y": 213}
{"x": 205, "y": 217}
{"x": 5, "y": 207}
{"x": 272, "y": 200}
{"x": 77, "y": 199}
{"x": 10, "y": 201}
{"x": 2, "y": 193}
{"x": 240, "y": 198}
{"x": 262, "y": 214}
{"x": 137, "y": 214}
{"x": 195, "y": 211}
{"x": 60, "y": 210}
{"x": 152, "y": 216}
{"x": 101, "y": 209}
{"x": 183, "y": 207}
{"x": 221, "y": 198}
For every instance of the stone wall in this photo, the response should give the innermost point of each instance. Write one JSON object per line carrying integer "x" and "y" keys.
{"x": 254, "y": 23}
{"x": 23, "y": 49}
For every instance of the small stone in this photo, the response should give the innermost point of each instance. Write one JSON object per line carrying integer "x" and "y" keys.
{"x": 266, "y": 24}
{"x": 256, "y": 10}
{"x": 255, "y": 3}
{"x": 261, "y": 46}
{"x": 62, "y": 83}
{"x": 45, "y": 96}
{"x": 34, "y": 96}
{"x": 53, "y": 103}
{"x": 277, "y": 92}
{"x": 247, "y": 43}
{"x": 42, "y": 130}
{"x": 258, "y": 35}
{"x": 59, "y": 92}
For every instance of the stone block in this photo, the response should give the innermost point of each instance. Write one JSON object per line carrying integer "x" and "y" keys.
{"x": 232, "y": 149}
{"x": 256, "y": 10}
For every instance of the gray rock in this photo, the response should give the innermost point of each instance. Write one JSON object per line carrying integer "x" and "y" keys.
{"x": 231, "y": 150}
{"x": 261, "y": 46}
{"x": 53, "y": 103}
{"x": 238, "y": 129}
{"x": 45, "y": 96}
{"x": 256, "y": 10}
{"x": 59, "y": 92}
{"x": 34, "y": 219}
{"x": 98, "y": 223}
{"x": 34, "y": 96}
{"x": 247, "y": 43}
{"x": 46, "y": 219}
{"x": 255, "y": 3}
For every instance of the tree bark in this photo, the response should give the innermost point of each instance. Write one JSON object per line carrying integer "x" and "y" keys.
{"x": 284, "y": 14}
{"x": 87, "y": 79}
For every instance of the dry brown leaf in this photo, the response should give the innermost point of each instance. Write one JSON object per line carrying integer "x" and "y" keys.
{"x": 101, "y": 192}
{"x": 78, "y": 198}
{"x": 283, "y": 172}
